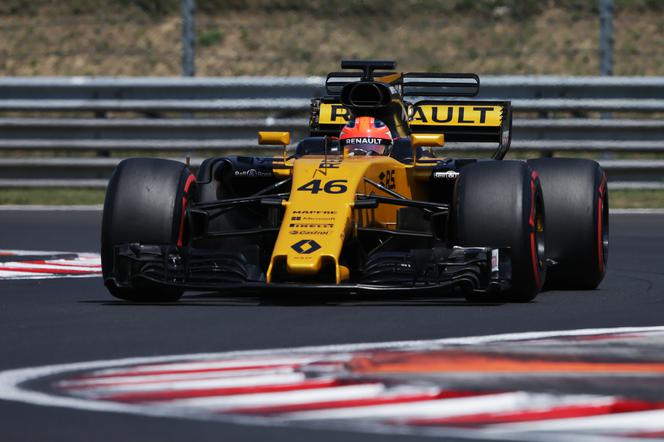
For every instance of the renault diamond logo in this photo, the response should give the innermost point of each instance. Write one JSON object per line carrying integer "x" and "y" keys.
{"x": 305, "y": 246}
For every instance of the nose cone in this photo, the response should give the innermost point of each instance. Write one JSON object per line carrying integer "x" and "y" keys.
{"x": 316, "y": 220}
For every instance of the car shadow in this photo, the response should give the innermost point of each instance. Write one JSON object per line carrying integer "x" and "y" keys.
{"x": 216, "y": 299}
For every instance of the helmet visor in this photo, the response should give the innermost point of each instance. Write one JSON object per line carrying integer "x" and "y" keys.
{"x": 366, "y": 149}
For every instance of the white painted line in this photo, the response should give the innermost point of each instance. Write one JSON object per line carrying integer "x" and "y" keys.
{"x": 309, "y": 396}
{"x": 207, "y": 365}
{"x": 45, "y": 207}
{"x": 640, "y": 421}
{"x": 26, "y": 374}
{"x": 11, "y": 382}
{"x": 644, "y": 211}
{"x": 432, "y": 408}
{"x": 28, "y": 266}
{"x": 515, "y": 337}
{"x": 18, "y": 276}
{"x": 441, "y": 408}
{"x": 446, "y": 433}
{"x": 205, "y": 383}
{"x": 117, "y": 382}
{"x": 55, "y": 265}
{"x": 41, "y": 252}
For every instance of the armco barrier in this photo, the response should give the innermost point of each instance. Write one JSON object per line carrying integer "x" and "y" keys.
{"x": 67, "y": 116}
{"x": 94, "y": 172}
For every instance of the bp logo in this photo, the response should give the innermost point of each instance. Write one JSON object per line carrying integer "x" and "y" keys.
{"x": 305, "y": 246}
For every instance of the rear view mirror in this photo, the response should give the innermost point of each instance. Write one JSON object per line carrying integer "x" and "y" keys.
{"x": 427, "y": 140}
{"x": 274, "y": 138}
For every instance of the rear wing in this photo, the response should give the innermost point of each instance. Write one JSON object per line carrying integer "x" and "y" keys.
{"x": 467, "y": 121}
{"x": 410, "y": 84}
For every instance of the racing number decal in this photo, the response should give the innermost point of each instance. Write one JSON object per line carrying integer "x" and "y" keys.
{"x": 332, "y": 186}
{"x": 329, "y": 164}
{"x": 325, "y": 165}
{"x": 387, "y": 179}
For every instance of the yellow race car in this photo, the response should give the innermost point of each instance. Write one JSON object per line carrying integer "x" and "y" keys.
{"x": 363, "y": 205}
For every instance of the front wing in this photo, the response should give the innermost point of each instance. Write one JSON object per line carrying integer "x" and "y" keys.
{"x": 440, "y": 271}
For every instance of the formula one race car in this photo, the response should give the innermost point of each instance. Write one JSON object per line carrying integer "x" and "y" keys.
{"x": 362, "y": 206}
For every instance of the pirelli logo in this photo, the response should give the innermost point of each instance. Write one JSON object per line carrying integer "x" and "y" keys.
{"x": 429, "y": 114}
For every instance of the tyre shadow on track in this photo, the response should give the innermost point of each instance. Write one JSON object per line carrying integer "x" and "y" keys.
{"x": 214, "y": 299}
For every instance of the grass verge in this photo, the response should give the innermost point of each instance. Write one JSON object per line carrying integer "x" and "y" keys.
{"x": 623, "y": 199}
{"x": 636, "y": 199}
{"x": 52, "y": 196}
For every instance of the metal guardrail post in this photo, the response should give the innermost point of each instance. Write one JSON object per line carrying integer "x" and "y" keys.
{"x": 606, "y": 48}
{"x": 606, "y": 37}
{"x": 188, "y": 37}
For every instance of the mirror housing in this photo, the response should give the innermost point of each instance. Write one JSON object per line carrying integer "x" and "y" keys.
{"x": 427, "y": 140}
{"x": 274, "y": 138}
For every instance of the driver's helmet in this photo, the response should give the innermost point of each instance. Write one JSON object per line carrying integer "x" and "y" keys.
{"x": 365, "y": 136}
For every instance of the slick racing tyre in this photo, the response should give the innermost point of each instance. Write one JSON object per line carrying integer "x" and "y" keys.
{"x": 145, "y": 203}
{"x": 500, "y": 204}
{"x": 577, "y": 210}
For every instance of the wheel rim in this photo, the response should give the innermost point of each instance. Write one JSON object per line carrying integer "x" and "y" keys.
{"x": 540, "y": 247}
{"x": 604, "y": 226}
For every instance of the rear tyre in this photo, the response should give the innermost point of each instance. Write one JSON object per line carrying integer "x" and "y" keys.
{"x": 577, "y": 209}
{"x": 145, "y": 203}
{"x": 500, "y": 204}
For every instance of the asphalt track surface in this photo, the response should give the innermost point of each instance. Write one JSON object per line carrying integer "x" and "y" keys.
{"x": 71, "y": 320}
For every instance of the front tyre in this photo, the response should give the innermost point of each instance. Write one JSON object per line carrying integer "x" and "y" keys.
{"x": 500, "y": 204}
{"x": 577, "y": 209}
{"x": 145, "y": 203}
